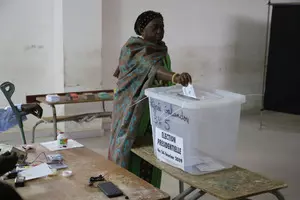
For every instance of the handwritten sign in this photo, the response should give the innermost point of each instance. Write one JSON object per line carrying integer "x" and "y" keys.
{"x": 169, "y": 147}
{"x": 166, "y": 115}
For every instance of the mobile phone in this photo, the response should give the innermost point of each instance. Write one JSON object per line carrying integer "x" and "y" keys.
{"x": 110, "y": 189}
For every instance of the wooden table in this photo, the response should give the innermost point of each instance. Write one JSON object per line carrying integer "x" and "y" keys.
{"x": 85, "y": 164}
{"x": 229, "y": 184}
{"x": 64, "y": 100}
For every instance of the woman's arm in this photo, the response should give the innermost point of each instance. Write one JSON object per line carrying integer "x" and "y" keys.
{"x": 164, "y": 75}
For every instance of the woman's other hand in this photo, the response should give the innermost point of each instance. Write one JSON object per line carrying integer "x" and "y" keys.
{"x": 183, "y": 79}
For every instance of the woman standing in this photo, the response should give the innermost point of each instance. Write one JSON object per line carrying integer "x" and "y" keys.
{"x": 144, "y": 62}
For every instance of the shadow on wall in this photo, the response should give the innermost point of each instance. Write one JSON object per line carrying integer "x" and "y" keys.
{"x": 243, "y": 73}
{"x": 111, "y": 27}
{"x": 111, "y": 40}
{"x": 235, "y": 63}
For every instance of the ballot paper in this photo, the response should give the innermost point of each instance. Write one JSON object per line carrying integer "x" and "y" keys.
{"x": 52, "y": 145}
{"x": 39, "y": 171}
{"x": 189, "y": 91}
{"x": 208, "y": 164}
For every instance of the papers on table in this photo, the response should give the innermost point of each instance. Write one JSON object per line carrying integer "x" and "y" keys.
{"x": 189, "y": 91}
{"x": 52, "y": 145}
{"x": 39, "y": 171}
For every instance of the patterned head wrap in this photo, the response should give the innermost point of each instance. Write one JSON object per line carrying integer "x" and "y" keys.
{"x": 144, "y": 19}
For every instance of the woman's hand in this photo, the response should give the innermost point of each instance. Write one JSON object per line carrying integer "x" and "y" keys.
{"x": 183, "y": 79}
{"x": 164, "y": 75}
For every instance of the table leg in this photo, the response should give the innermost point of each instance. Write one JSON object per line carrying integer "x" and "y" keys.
{"x": 33, "y": 130}
{"x": 278, "y": 195}
{"x": 197, "y": 195}
{"x": 181, "y": 187}
{"x": 103, "y": 106}
{"x": 184, "y": 193}
{"x": 54, "y": 122}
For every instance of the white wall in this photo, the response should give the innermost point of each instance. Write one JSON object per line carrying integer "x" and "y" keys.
{"x": 221, "y": 43}
{"x": 26, "y": 49}
{"x": 50, "y": 46}
{"x": 58, "y": 44}
{"x": 82, "y": 37}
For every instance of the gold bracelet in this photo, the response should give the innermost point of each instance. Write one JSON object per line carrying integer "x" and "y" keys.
{"x": 173, "y": 77}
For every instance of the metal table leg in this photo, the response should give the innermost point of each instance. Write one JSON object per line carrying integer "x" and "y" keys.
{"x": 198, "y": 195}
{"x": 181, "y": 187}
{"x": 103, "y": 106}
{"x": 184, "y": 193}
{"x": 54, "y": 122}
{"x": 33, "y": 130}
{"x": 278, "y": 195}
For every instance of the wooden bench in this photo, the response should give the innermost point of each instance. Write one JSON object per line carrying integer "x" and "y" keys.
{"x": 75, "y": 118}
{"x": 234, "y": 183}
{"x": 33, "y": 97}
{"x": 41, "y": 98}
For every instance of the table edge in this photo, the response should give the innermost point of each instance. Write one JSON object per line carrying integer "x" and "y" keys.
{"x": 283, "y": 186}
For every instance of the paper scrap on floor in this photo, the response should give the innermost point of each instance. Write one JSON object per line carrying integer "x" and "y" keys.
{"x": 39, "y": 171}
{"x": 52, "y": 145}
{"x": 207, "y": 164}
{"x": 189, "y": 91}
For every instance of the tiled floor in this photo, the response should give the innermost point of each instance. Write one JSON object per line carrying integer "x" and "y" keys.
{"x": 273, "y": 151}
